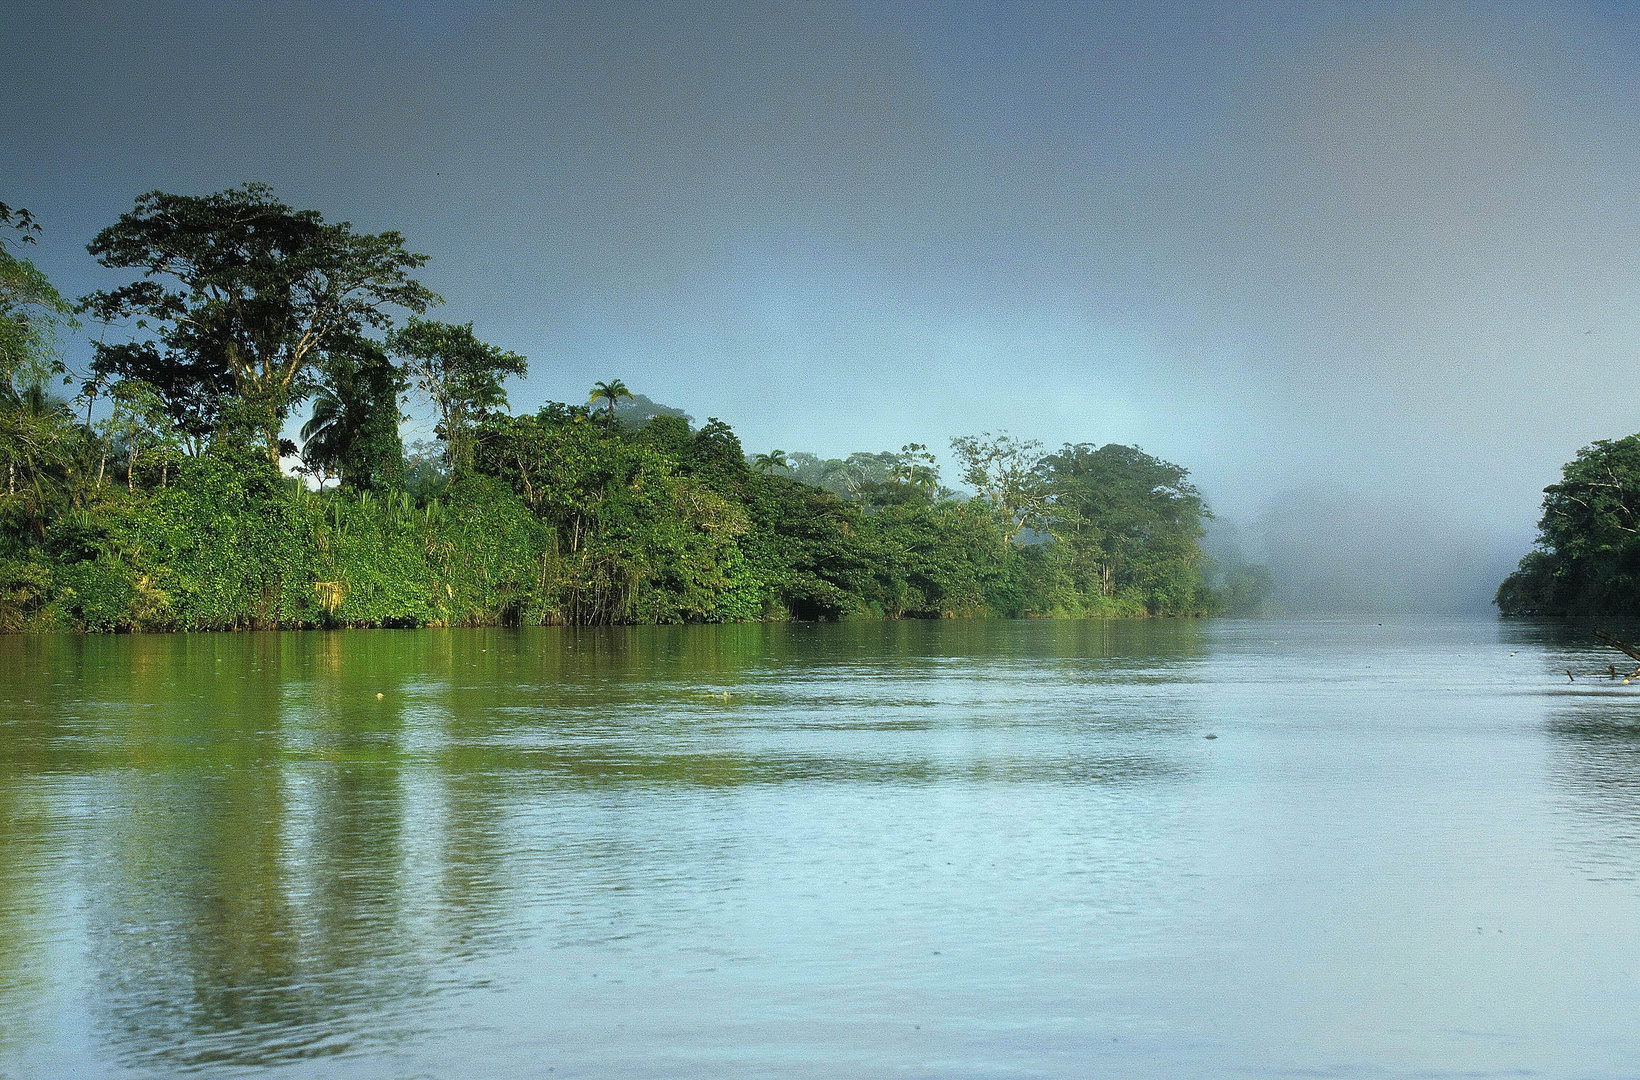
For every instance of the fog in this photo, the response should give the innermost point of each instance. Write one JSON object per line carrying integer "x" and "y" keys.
{"x": 1332, "y": 553}
{"x": 1370, "y": 275}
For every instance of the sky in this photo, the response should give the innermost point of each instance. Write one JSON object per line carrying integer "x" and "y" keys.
{"x": 1370, "y": 272}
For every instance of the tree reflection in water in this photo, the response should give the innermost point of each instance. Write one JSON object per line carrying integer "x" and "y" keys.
{"x": 281, "y": 846}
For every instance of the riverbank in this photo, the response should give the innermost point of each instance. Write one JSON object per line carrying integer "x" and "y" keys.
{"x": 223, "y": 547}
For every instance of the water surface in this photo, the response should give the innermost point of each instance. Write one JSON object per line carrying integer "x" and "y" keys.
{"x": 959, "y": 849}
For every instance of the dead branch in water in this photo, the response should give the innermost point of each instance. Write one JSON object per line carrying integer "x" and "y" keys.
{"x": 1619, "y": 644}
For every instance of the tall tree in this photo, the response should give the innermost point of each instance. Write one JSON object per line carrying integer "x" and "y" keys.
{"x": 137, "y": 425}
{"x": 768, "y": 463}
{"x": 240, "y": 297}
{"x": 459, "y": 375}
{"x": 1132, "y": 522}
{"x": 611, "y": 392}
{"x": 1007, "y": 471}
{"x": 34, "y": 427}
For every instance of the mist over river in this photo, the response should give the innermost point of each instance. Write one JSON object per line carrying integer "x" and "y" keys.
{"x": 1149, "y": 848}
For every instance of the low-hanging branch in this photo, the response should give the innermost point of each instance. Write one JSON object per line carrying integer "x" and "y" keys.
{"x": 1619, "y": 644}
{"x": 1623, "y": 647}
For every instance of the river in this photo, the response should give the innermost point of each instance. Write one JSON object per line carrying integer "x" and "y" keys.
{"x": 923, "y": 849}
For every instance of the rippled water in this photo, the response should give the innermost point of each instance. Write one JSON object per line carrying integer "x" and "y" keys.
{"x": 987, "y": 849}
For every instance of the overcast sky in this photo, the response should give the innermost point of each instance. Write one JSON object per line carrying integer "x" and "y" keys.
{"x": 1388, "y": 254}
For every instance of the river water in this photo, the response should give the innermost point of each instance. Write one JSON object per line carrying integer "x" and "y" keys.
{"x": 953, "y": 849}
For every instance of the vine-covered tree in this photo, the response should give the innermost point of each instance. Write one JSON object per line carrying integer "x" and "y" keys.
{"x": 353, "y": 431}
{"x": 36, "y": 440}
{"x": 138, "y": 429}
{"x": 32, "y": 311}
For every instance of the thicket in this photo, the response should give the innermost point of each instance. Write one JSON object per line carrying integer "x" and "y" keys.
{"x": 155, "y": 499}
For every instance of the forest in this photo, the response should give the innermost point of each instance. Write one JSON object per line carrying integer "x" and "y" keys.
{"x": 156, "y": 490}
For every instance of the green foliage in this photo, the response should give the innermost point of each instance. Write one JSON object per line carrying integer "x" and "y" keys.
{"x": 459, "y": 375}
{"x": 936, "y": 559}
{"x": 1587, "y": 558}
{"x": 803, "y": 550}
{"x": 240, "y": 296}
{"x": 643, "y": 536}
{"x": 354, "y": 429}
{"x": 1131, "y": 525}
{"x": 32, "y": 312}
{"x": 564, "y": 518}
{"x": 167, "y": 510}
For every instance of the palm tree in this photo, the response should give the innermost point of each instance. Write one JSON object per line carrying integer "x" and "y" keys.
{"x": 768, "y": 463}
{"x": 324, "y": 435}
{"x": 611, "y": 391}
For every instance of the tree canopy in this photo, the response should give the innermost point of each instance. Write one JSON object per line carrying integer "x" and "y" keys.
{"x": 1587, "y": 557}
{"x": 462, "y": 377}
{"x": 238, "y": 300}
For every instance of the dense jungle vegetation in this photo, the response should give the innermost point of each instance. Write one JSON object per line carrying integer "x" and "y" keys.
{"x": 147, "y": 493}
{"x": 1587, "y": 557}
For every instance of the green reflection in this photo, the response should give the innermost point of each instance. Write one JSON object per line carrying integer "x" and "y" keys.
{"x": 284, "y": 842}
{"x": 28, "y": 847}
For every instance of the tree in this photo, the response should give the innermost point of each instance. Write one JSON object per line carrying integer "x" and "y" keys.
{"x": 915, "y": 468}
{"x": 1587, "y": 557}
{"x": 354, "y": 427}
{"x": 459, "y": 375}
{"x": 1132, "y": 523}
{"x": 240, "y": 297}
{"x": 322, "y": 437}
{"x": 32, "y": 312}
{"x": 139, "y": 424}
{"x": 611, "y": 392}
{"x": 35, "y": 440}
{"x": 639, "y": 541}
{"x": 1007, "y": 471}
{"x": 768, "y": 463}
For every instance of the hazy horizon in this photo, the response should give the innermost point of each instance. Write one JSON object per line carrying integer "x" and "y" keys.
{"x": 1375, "y": 265}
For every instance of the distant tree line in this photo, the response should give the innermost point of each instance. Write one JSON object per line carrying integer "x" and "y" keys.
{"x": 153, "y": 497}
